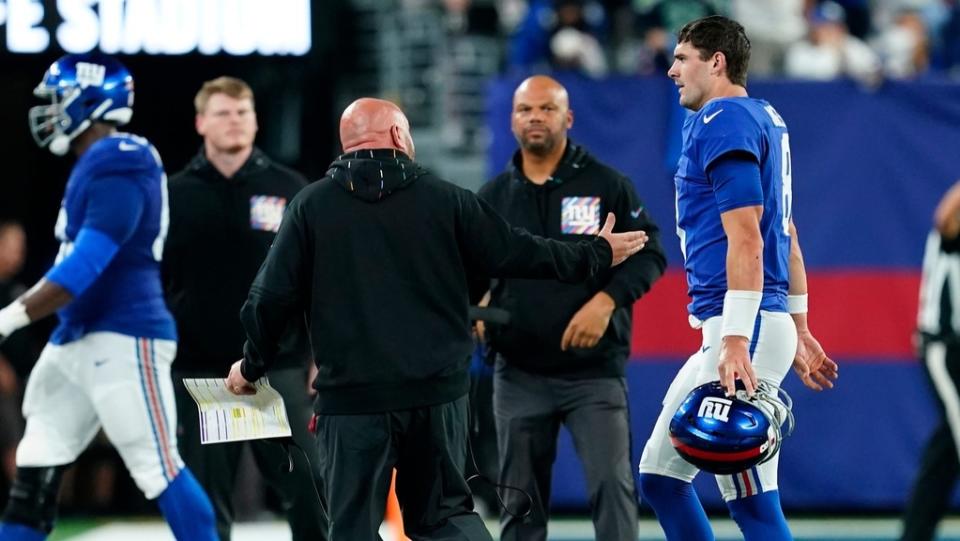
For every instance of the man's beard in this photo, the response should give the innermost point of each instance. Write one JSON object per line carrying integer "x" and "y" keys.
{"x": 540, "y": 148}
{"x": 234, "y": 148}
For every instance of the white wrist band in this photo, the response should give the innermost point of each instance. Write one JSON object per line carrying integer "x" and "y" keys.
{"x": 797, "y": 304}
{"x": 740, "y": 309}
{"x": 13, "y": 317}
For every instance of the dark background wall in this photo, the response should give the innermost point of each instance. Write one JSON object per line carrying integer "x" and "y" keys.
{"x": 294, "y": 100}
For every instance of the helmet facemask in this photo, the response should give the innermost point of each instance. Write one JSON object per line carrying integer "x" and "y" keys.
{"x": 50, "y": 124}
{"x": 778, "y": 406}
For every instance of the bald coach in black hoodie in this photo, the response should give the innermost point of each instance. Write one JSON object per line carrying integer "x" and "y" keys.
{"x": 375, "y": 256}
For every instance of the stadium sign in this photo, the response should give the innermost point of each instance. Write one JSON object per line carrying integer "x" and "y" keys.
{"x": 160, "y": 27}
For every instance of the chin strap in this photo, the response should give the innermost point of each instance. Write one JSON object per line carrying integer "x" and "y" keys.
{"x": 59, "y": 145}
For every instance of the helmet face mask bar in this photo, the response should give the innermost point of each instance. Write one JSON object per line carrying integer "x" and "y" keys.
{"x": 49, "y": 122}
{"x": 778, "y": 405}
{"x": 726, "y": 435}
{"x": 81, "y": 89}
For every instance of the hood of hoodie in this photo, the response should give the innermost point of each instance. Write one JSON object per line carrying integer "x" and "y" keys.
{"x": 372, "y": 175}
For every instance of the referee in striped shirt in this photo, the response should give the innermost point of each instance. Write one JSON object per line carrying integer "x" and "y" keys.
{"x": 938, "y": 325}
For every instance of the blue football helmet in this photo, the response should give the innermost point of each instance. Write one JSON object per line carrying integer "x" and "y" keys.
{"x": 82, "y": 89}
{"x": 726, "y": 435}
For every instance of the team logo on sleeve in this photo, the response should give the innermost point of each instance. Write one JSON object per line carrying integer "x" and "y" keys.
{"x": 266, "y": 212}
{"x": 580, "y": 215}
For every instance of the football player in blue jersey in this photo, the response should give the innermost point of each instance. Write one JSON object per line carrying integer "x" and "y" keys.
{"x": 745, "y": 274}
{"x": 107, "y": 364}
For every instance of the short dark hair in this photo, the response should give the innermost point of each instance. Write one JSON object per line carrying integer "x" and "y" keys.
{"x": 717, "y": 33}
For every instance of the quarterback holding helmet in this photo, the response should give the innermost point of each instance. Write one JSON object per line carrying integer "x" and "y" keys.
{"x": 746, "y": 279}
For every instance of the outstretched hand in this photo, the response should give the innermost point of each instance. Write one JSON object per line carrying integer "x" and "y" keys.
{"x": 623, "y": 245}
{"x": 816, "y": 370}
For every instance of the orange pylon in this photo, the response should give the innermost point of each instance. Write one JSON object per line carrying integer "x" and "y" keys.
{"x": 393, "y": 517}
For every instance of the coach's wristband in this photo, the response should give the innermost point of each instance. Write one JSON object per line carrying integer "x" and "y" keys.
{"x": 797, "y": 304}
{"x": 740, "y": 312}
{"x": 13, "y": 317}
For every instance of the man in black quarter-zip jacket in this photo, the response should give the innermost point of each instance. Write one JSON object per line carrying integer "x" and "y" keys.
{"x": 375, "y": 256}
{"x": 560, "y": 360}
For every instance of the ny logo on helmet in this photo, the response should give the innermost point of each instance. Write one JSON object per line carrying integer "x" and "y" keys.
{"x": 90, "y": 74}
{"x": 713, "y": 407}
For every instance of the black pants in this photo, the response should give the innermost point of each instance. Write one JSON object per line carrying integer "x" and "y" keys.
{"x": 357, "y": 454}
{"x": 215, "y": 466}
{"x": 529, "y": 410}
{"x": 483, "y": 440}
{"x": 933, "y": 487}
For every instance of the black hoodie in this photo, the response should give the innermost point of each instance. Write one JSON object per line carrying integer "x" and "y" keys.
{"x": 376, "y": 256}
{"x": 541, "y": 310}
{"x": 213, "y": 250}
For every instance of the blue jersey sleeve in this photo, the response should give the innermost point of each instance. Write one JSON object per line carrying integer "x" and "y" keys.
{"x": 114, "y": 206}
{"x": 92, "y": 252}
{"x": 112, "y": 213}
{"x": 736, "y": 181}
{"x": 724, "y": 127}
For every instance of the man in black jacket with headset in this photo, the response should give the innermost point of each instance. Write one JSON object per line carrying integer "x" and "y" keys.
{"x": 376, "y": 256}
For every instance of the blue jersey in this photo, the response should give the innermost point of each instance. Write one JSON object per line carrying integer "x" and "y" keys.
{"x": 118, "y": 189}
{"x": 745, "y": 126}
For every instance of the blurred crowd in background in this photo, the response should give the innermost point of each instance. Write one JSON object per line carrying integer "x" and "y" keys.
{"x": 439, "y": 53}
{"x": 803, "y": 39}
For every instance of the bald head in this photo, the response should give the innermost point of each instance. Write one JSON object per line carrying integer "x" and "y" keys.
{"x": 370, "y": 123}
{"x": 542, "y": 86}
{"x": 541, "y": 116}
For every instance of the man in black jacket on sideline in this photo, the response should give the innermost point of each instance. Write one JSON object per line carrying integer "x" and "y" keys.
{"x": 561, "y": 358}
{"x": 376, "y": 256}
{"x": 225, "y": 209}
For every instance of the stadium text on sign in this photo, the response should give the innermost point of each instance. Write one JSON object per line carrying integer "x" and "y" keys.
{"x": 168, "y": 27}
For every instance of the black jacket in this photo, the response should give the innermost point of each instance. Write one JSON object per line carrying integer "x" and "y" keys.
{"x": 220, "y": 231}
{"x": 376, "y": 256}
{"x": 574, "y": 201}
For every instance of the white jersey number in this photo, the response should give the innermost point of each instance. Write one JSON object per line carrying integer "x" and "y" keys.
{"x": 60, "y": 232}
{"x": 786, "y": 174}
{"x": 158, "y": 242}
{"x": 786, "y": 170}
{"x": 164, "y": 220}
